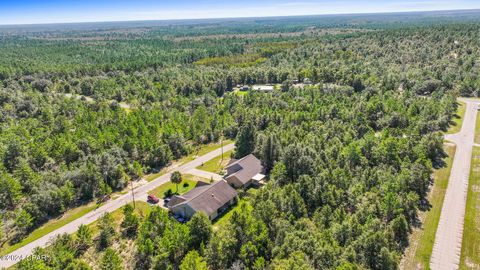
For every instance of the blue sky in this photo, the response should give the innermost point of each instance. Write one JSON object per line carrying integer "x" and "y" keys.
{"x": 54, "y": 11}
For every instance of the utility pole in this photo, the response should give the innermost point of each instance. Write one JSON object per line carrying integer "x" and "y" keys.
{"x": 221, "y": 145}
{"x": 133, "y": 194}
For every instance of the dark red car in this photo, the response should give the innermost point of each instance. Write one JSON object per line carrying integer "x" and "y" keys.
{"x": 152, "y": 199}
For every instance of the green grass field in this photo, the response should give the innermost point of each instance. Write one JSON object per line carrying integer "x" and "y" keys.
{"x": 216, "y": 165}
{"x": 470, "y": 256}
{"x": 241, "y": 93}
{"x": 477, "y": 129}
{"x": 458, "y": 119}
{"x": 189, "y": 179}
{"x": 50, "y": 226}
{"x": 418, "y": 254}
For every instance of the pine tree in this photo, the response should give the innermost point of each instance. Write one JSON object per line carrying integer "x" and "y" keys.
{"x": 245, "y": 143}
{"x": 111, "y": 260}
{"x": 130, "y": 221}
{"x": 84, "y": 238}
{"x": 107, "y": 230}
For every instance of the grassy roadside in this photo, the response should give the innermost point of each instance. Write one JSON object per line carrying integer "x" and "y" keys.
{"x": 470, "y": 256}
{"x": 200, "y": 152}
{"x": 204, "y": 150}
{"x": 477, "y": 130}
{"x": 417, "y": 256}
{"x": 141, "y": 209}
{"x": 216, "y": 164}
{"x": 458, "y": 118}
{"x": 50, "y": 226}
{"x": 154, "y": 176}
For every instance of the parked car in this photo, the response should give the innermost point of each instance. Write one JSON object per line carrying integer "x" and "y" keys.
{"x": 152, "y": 199}
{"x": 166, "y": 201}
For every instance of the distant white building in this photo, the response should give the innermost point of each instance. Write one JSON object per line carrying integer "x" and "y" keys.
{"x": 307, "y": 81}
{"x": 263, "y": 88}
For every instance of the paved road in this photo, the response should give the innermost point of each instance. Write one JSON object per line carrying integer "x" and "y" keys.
{"x": 448, "y": 239}
{"x": 139, "y": 193}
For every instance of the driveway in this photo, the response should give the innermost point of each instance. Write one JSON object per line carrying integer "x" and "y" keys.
{"x": 448, "y": 239}
{"x": 110, "y": 206}
{"x": 205, "y": 174}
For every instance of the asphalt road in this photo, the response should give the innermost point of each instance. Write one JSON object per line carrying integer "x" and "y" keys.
{"x": 110, "y": 206}
{"x": 448, "y": 239}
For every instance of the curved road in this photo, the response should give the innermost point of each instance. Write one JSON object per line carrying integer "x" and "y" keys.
{"x": 448, "y": 239}
{"x": 110, "y": 206}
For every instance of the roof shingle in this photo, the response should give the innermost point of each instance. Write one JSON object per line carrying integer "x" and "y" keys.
{"x": 245, "y": 168}
{"x": 207, "y": 199}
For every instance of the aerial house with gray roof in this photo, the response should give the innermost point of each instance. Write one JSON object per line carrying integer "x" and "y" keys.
{"x": 211, "y": 199}
{"x": 245, "y": 172}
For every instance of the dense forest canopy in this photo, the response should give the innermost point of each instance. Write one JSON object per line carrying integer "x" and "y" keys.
{"x": 349, "y": 157}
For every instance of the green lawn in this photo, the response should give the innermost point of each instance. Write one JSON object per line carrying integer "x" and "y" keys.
{"x": 418, "y": 254}
{"x": 470, "y": 256}
{"x": 458, "y": 119}
{"x": 50, "y": 226}
{"x": 216, "y": 165}
{"x": 189, "y": 179}
{"x": 477, "y": 129}
{"x": 200, "y": 152}
{"x": 241, "y": 93}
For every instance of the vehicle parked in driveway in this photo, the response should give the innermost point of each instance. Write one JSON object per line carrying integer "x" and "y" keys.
{"x": 152, "y": 199}
{"x": 166, "y": 201}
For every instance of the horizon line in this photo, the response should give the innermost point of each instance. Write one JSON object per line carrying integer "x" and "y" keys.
{"x": 238, "y": 17}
